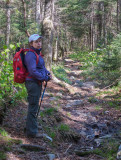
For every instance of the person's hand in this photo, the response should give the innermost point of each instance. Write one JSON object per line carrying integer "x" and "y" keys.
{"x": 49, "y": 75}
{"x": 44, "y": 83}
{"x": 47, "y": 78}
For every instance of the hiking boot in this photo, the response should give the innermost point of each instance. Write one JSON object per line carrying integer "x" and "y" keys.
{"x": 38, "y": 135}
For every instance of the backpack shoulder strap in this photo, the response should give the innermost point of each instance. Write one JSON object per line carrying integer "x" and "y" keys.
{"x": 31, "y": 50}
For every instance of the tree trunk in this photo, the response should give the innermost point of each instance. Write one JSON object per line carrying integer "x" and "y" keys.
{"x": 8, "y": 15}
{"x": 118, "y": 16}
{"x": 38, "y": 15}
{"x": 24, "y": 10}
{"x": 47, "y": 32}
{"x": 55, "y": 51}
{"x": 42, "y": 10}
{"x": 102, "y": 34}
{"x": 92, "y": 27}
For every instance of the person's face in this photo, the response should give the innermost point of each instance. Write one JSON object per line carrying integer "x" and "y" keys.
{"x": 37, "y": 44}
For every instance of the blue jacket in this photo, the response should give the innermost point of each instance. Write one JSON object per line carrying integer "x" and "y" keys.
{"x": 37, "y": 72}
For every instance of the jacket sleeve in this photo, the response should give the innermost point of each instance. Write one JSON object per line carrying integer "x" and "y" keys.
{"x": 47, "y": 72}
{"x": 30, "y": 61}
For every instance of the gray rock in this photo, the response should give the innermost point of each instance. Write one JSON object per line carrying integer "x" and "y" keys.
{"x": 72, "y": 77}
{"x": 52, "y": 98}
{"x": 68, "y": 106}
{"x": 82, "y": 133}
{"x": 59, "y": 94}
{"x": 106, "y": 136}
{"x": 73, "y": 103}
{"x": 102, "y": 139}
{"x": 90, "y": 85}
{"x": 98, "y": 141}
{"x": 68, "y": 97}
{"x": 106, "y": 112}
{"x": 78, "y": 83}
{"x": 47, "y": 94}
{"x": 51, "y": 156}
{"x": 119, "y": 153}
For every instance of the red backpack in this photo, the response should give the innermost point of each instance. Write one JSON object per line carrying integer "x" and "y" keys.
{"x": 19, "y": 68}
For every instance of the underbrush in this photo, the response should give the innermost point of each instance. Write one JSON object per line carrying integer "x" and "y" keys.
{"x": 53, "y": 124}
{"x": 10, "y": 93}
{"x": 59, "y": 72}
{"x": 112, "y": 97}
{"x": 108, "y": 149}
{"x": 102, "y": 65}
{"x": 6, "y": 143}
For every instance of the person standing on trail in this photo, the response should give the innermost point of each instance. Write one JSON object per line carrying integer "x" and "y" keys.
{"x": 37, "y": 75}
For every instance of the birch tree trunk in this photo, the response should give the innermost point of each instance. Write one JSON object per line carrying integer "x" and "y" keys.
{"x": 47, "y": 32}
{"x": 8, "y": 25}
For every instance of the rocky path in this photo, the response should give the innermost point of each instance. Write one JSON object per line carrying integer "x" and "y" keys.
{"x": 78, "y": 122}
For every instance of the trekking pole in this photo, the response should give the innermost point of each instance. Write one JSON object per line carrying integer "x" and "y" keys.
{"x": 41, "y": 99}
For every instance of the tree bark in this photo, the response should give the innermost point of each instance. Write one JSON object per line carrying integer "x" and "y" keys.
{"x": 8, "y": 15}
{"x": 38, "y": 15}
{"x": 102, "y": 34}
{"x": 118, "y": 16}
{"x": 47, "y": 32}
{"x": 24, "y": 9}
{"x": 42, "y": 9}
{"x": 92, "y": 27}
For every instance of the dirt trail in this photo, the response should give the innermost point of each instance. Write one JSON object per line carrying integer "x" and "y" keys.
{"x": 80, "y": 111}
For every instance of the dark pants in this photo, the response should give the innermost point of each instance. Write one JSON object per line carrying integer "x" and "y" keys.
{"x": 34, "y": 93}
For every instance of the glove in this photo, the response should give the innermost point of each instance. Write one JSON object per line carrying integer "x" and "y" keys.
{"x": 48, "y": 73}
{"x": 47, "y": 78}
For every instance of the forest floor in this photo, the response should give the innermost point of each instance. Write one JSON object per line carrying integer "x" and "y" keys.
{"x": 82, "y": 120}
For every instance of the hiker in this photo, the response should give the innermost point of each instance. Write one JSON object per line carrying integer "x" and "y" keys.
{"x": 38, "y": 74}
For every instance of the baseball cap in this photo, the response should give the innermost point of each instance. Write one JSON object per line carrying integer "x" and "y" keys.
{"x": 34, "y": 37}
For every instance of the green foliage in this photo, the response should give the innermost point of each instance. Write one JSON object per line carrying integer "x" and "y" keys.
{"x": 3, "y": 132}
{"x": 111, "y": 63}
{"x": 108, "y": 150}
{"x": 9, "y": 92}
{"x": 64, "y": 127}
{"x": 89, "y": 59}
{"x": 3, "y": 156}
{"x": 59, "y": 72}
{"x": 6, "y": 143}
{"x": 6, "y": 74}
{"x": 50, "y": 111}
{"x": 102, "y": 64}
{"x": 74, "y": 15}
{"x": 98, "y": 108}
